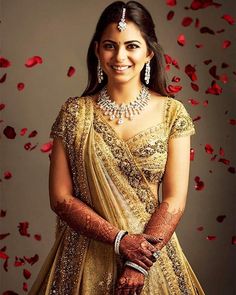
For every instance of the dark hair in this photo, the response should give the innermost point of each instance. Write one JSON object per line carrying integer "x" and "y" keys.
{"x": 138, "y": 14}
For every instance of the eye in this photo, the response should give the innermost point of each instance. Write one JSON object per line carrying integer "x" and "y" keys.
{"x": 133, "y": 46}
{"x": 108, "y": 46}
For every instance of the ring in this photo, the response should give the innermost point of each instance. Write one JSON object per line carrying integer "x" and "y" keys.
{"x": 156, "y": 254}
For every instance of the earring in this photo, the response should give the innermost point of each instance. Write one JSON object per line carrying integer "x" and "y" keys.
{"x": 147, "y": 72}
{"x": 99, "y": 72}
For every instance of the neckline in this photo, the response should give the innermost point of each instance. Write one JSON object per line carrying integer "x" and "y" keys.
{"x": 130, "y": 139}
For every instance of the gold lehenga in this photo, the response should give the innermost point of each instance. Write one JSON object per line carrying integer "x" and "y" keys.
{"x": 113, "y": 176}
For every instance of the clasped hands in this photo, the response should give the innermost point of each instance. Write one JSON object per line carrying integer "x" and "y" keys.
{"x": 138, "y": 248}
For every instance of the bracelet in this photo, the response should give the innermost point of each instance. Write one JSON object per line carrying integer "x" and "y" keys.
{"x": 118, "y": 238}
{"x": 137, "y": 267}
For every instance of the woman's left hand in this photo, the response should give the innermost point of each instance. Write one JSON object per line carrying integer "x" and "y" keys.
{"x": 131, "y": 282}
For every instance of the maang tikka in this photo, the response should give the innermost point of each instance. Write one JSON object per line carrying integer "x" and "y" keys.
{"x": 122, "y": 24}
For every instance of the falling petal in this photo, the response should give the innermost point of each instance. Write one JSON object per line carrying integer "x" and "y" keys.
{"x": 33, "y": 147}
{"x": 3, "y": 213}
{"x": 27, "y": 146}
{"x": 197, "y": 23}
{"x": 199, "y": 184}
{"x": 175, "y": 64}
{"x": 26, "y": 273}
{"x": 209, "y": 149}
{"x": 224, "y": 65}
{"x": 224, "y": 161}
{"x": 208, "y": 61}
{"x": 194, "y": 86}
{"x": 32, "y": 260}
{"x": 187, "y": 21}
{"x": 18, "y": 261}
{"x": 224, "y": 78}
{"x": 233, "y": 240}
{"x": 4, "y": 63}
{"x": 192, "y": 154}
{"x": 23, "y": 228}
{"x": 222, "y": 152}
{"x": 20, "y": 86}
{"x": 220, "y": 31}
{"x": 231, "y": 170}
{"x": 220, "y": 218}
{"x": 9, "y": 293}
{"x": 197, "y": 118}
{"x": 2, "y": 106}
{"x": 170, "y": 15}
{"x": 181, "y": 40}
{"x": 46, "y": 147}
{"x": 171, "y": 2}
{"x": 3, "y": 78}
{"x": 175, "y": 79}
{"x": 3, "y": 236}
{"x": 199, "y": 4}
{"x": 174, "y": 89}
{"x": 213, "y": 158}
{"x": 228, "y": 18}
{"x": 191, "y": 72}
{"x": 205, "y": 103}
{"x": 168, "y": 59}
{"x": 212, "y": 71}
{"x": 32, "y": 61}
{"x": 232, "y": 121}
{"x": 193, "y": 102}
{"x": 199, "y": 45}
{"x": 23, "y": 131}
{"x": 200, "y": 228}
{"x": 37, "y": 237}
{"x": 211, "y": 238}
{"x": 71, "y": 71}
{"x": 7, "y": 175}
{"x": 33, "y": 133}
{"x": 3, "y": 255}
{"x": 25, "y": 287}
{"x": 206, "y": 30}
{"x": 9, "y": 132}
{"x": 226, "y": 44}
{"x": 215, "y": 89}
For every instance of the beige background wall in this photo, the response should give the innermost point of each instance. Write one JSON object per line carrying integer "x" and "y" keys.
{"x": 60, "y": 31}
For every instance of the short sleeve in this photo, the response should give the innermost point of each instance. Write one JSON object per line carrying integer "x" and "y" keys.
{"x": 182, "y": 124}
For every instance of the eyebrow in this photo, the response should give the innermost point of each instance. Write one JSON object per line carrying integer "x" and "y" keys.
{"x": 127, "y": 42}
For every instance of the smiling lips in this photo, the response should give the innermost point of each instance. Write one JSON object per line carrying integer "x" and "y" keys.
{"x": 120, "y": 68}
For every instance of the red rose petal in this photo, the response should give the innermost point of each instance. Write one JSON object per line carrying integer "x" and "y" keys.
{"x": 200, "y": 4}
{"x": 175, "y": 79}
{"x": 46, "y": 147}
{"x": 192, "y": 154}
{"x": 18, "y": 261}
{"x": 25, "y": 287}
{"x": 71, "y": 71}
{"x": 212, "y": 71}
{"x": 3, "y": 78}
{"x": 199, "y": 184}
{"x": 33, "y": 133}
{"x": 209, "y": 149}
{"x": 4, "y": 63}
{"x": 220, "y": 31}
{"x": 224, "y": 78}
{"x": 213, "y": 158}
{"x": 171, "y": 2}
{"x": 7, "y": 175}
{"x": 191, "y": 72}
{"x": 181, "y": 40}
{"x": 205, "y": 103}
{"x": 32, "y": 260}
{"x": 170, "y": 15}
{"x": 27, "y": 146}
{"x": 23, "y": 228}
{"x": 187, "y": 21}
{"x": 226, "y": 44}
{"x": 211, "y": 238}
{"x": 224, "y": 161}
{"x": 9, "y": 132}
{"x": 231, "y": 170}
{"x": 37, "y": 237}
{"x": 206, "y": 30}
{"x": 33, "y": 147}
{"x": 233, "y": 240}
{"x": 222, "y": 152}
{"x": 23, "y": 131}
{"x": 168, "y": 59}
{"x": 3, "y": 236}
{"x": 215, "y": 89}
{"x": 3, "y": 255}
{"x": 232, "y": 122}
{"x": 200, "y": 228}
{"x": 32, "y": 61}
{"x": 197, "y": 118}
{"x": 224, "y": 65}
{"x": 194, "y": 86}
{"x": 9, "y": 293}
{"x": 20, "y": 86}
{"x": 197, "y": 23}
{"x": 193, "y": 102}
{"x": 3, "y": 213}
{"x": 228, "y": 18}
{"x": 220, "y": 218}
{"x": 199, "y": 45}
{"x": 26, "y": 273}
{"x": 2, "y": 106}
{"x": 208, "y": 61}
{"x": 174, "y": 89}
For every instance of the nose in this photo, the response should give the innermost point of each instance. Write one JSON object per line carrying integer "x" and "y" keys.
{"x": 120, "y": 54}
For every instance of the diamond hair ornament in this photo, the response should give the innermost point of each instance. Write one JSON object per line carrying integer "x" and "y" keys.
{"x": 122, "y": 25}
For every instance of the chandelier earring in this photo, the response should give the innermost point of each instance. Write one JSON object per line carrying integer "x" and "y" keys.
{"x": 147, "y": 72}
{"x": 99, "y": 72}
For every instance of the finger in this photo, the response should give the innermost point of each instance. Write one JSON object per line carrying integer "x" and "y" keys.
{"x": 139, "y": 290}
{"x": 152, "y": 239}
{"x": 147, "y": 261}
{"x": 140, "y": 263}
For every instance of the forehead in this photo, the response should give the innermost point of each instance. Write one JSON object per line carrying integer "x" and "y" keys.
{"x": 131, "y": 32}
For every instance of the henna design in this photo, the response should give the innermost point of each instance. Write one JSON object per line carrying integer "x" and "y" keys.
{"x": 163, "y": 224}
{"x": 84, "y": 220}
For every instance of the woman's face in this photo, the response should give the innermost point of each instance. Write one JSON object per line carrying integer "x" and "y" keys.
{"x": 122, "y": 54}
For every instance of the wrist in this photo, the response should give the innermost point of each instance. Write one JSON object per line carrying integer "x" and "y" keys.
{"x": 118, "y": 239}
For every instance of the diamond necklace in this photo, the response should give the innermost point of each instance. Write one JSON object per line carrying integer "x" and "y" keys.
{"x": 113, "y": 110}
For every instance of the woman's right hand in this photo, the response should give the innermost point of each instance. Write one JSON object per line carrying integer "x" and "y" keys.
{"x": 139, "y": 248}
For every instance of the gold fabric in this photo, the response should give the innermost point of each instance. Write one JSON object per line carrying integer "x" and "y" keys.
{"x": 114, "y": 176}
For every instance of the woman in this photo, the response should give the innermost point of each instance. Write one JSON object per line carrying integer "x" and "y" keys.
{"x": 113, "y": 147}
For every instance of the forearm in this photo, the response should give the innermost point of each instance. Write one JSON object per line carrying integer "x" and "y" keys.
{"x": 163, "y": 222}
{"x": 82, "y": 219}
